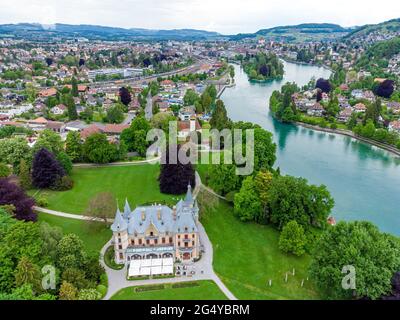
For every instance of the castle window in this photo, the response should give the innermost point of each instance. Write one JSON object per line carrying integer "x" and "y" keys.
{"x": 193, "y": 235}
{"x": 186, "y": 244}
{"x": 119, "y": 240}
{"x": 179, "y": 236}
{"x": 179, "y": 244}
{"x": 163, "y": 240}
{"x": 170, "y": 240}
{"x": 186, "y": 229}
{"x": 120, "y": 247}
{"x": 186, "y": 236}
{"x": 192, "y": 243}
{"x": 151, "y": 233}
{"x": 140, "y": 241}
{"x": 147, "y": 241}
{"x": 121, "y": 256}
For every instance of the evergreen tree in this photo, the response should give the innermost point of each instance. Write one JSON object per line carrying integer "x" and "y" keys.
{"x": 174, "y": 178}
{"x": 74, "y": 87}
{"x": 125, "y": 96}
{"x": 73, "y": 146}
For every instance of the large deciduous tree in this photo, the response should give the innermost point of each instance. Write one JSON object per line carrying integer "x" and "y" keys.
{"x": 97, "y": 149}
{"x": 375, "y": 257}
{"x": 11, "y": 194}
{"x": 73, "y": 146}
{"x": 102, "y": 206}
{"x": 46, "y": 170}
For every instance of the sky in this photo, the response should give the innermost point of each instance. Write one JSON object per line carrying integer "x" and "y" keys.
{"x": 224, "y": 16}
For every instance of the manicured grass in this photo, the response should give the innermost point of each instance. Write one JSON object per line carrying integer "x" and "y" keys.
{"x": 246, "y": 257}
{"x": 94, "y": 237}
{"x": 206, "y": 290}
{"x": 138, "y": 183}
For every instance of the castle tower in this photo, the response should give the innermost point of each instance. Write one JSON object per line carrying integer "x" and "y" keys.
{"x": 120, "y": 237}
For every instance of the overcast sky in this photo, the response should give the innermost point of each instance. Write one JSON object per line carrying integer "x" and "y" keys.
{"x": 224, "y": 16}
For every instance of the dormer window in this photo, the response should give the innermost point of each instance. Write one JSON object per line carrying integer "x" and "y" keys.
{"x": 151, "y": 233}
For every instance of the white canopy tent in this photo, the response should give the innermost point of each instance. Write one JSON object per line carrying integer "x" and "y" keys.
{"x": 148, "y": 267}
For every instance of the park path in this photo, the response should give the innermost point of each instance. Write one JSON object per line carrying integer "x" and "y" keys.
{"x": 117, "y": 278}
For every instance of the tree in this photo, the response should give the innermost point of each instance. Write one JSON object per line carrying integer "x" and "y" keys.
{"x": 125, "y": 96}
{"x": 374, "y": 255}
{"x": 292, "y": 239}
{"x": 75, "y": 277}
{"x": 385, "y": 89}
{"x": 49, "y": 140}
{"x": 264, "y": 149}
{"x": 174, "y": 178}
{"x": 13, "y": 150}
{"x": 324, "y": 85}
{"x": 73, "y": 146}
{"x": 71, "y": 107}
{"x": 220, "y": 118}
{"x": 247, "y": 201}
{"x": 115, "y": 114}
{"x": 102, "y": 206}
{"x": 70, "y": 252}
{"x": 74, "y": 87}
{"x": 11, "y": 194}
{"x": 134, "y": 137}
{"x": 28, "y": 273}
{"x": 190, "y": 98}
{"x": 291, "y": 198}
{"x": 46, "y": 170}
{"x": 223, "y": 178}
{"x": 97, "y": 149}
{"x": 65, "y": 162}
{"x": 68, "y": 291}
{"x": 25, "y": 179}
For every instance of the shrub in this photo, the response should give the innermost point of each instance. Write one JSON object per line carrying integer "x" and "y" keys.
{"x": 150, "y": 288}
{"x": 334, "y": 126}
{"x": 63, "y": 184}
{"x": 102, "y": 290}
{"x": 185, "y": 285}
{"x": 4, "y": 170}
{"x": 42, "y": 201}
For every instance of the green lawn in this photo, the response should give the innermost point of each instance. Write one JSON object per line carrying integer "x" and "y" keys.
{"x": 94, "y": 238}
{"x": 246, "y": 257}
{"x": 138, "y": 183}
{"x": 206, "y": 290}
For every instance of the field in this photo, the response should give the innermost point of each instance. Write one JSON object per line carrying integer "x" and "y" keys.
{"x": 205, "y": 290}
{"x": 138, "y": 183}
{"x": 94, "y": 238}
{"x": 246, "y": 257}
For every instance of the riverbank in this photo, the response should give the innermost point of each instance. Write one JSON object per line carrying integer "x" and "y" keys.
{"x": 351, "y": 134}
{"x": 308, "y": 64}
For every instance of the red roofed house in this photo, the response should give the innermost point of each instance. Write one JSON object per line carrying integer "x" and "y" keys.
{"x": 90, "y": 130}
{"x": 115, "y": 129}
{"x": 48, "y": 93}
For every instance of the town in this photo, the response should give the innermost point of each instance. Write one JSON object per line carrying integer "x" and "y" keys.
{"x": 84, "y": 194}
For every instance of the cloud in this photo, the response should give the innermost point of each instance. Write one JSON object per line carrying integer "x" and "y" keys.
{"x": 225, "y": 16}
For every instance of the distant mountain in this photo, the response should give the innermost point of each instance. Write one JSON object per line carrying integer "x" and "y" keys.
{"x": 299, "y": 33}
{"x": 93, "y": 32}
{"x": 383, "y": 28}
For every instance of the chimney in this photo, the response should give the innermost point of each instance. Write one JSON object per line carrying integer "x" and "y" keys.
{"x": 159, "y": 213}
{"x": 143, "y": 214}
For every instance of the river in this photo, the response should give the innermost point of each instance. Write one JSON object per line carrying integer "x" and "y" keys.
{"x": 364, "y": 180}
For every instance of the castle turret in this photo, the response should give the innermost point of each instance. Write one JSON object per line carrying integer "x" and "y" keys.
{"x": 189, "y": 196}
{"x": 120, "y": 236}
{"x": 127, "y": 210}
